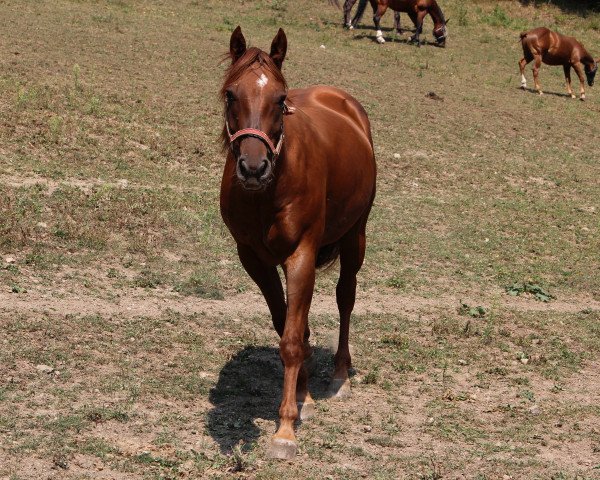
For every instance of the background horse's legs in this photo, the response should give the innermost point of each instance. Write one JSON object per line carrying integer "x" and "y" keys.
{"x": 381, "y": 8}
{"x": 567, "y": 70}
{"x": 419, "y": 17}
{"x": 352, "y": 254}
{"x": 300, "y": 279}
{"x": 267, "y": 279}
{"x": 536, "y": 71}
{"x": 522, "y": 63}
{"x": 348, "y": 4}
{"x": 579, "y": 71}
{"x": 397, "y": 22}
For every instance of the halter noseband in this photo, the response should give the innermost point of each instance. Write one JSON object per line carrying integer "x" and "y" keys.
{"x": 444, "y": 32}
{"x": 253, "y": 132}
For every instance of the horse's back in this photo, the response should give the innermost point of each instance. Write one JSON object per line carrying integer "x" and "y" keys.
{"x": 331, "y": 108}
{"x": 337, "y": 147}
{"x": 555, "y": 48}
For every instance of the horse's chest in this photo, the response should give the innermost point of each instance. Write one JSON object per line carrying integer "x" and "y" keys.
{"x": 271, "y": 236}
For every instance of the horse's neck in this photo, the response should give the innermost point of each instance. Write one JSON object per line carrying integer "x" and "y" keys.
{"x": 586, "y": 58}
{"x": 436, "y": 14}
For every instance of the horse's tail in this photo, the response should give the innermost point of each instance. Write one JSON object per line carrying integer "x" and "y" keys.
{"x": 327, "y": 255}
{"x": 359, "y": 11}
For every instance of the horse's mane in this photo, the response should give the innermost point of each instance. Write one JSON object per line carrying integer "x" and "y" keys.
{"x": 236, "y": 70}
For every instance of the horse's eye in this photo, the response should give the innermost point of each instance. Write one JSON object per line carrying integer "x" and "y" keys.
{"x": 281, "y": 101}
{"x": 229, "y": 97}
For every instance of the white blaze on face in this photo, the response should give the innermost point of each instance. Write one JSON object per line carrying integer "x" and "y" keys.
{"x": 262, "y": 81}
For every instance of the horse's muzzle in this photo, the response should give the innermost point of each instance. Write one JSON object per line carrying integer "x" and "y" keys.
{"x": 253, "y": 174}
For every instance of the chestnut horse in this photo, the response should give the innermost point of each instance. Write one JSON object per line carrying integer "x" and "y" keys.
{"x": 543, "y": 45}
{"x": 297, "y": 188}
{"x": 416, "y": 10}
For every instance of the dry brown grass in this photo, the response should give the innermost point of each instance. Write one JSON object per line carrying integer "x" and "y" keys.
{"x": 109, "y": 178}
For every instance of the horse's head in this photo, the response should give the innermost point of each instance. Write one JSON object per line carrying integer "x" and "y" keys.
{"x": 440, "y": 32}
{"x": 590, "y": 72}
{"x": 254, "y": 93}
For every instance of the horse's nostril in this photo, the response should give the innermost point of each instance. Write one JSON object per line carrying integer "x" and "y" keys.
{"x": 263, "y": 168}
{"x": 244, "y": 170}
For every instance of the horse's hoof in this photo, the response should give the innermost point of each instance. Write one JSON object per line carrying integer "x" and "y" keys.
{"x": 380, "y": 40}
{"x": 582, "y": 98}
{"x": 350, "y": 27}
{"x": 540, "y": 92}
{"x": 340, "y": 389}
{"x": 306, "y": 410}
{"x": 573, "y": 96}
{"x": 282, "y": 449}
{"x": 523, "y": 86}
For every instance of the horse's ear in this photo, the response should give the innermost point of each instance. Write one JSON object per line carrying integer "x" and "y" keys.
{"x": 279, "y": 48}
{"x": 237, "y": 44}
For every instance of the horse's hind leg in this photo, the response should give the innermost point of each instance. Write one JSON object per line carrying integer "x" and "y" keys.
{"x": 381, "y": 8}
{"x": 352, "y": 254}
{"x": 348, "y": 4}
{"x": 567, "y": 70}
{"x": 522, "y": 63}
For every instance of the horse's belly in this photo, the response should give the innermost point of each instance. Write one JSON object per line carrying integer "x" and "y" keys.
{"x": 550, "y": 58}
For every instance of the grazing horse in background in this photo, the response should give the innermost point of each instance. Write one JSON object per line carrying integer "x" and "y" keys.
{"x": 297, "y": 188}
{"x": 416, "y": 10}
{"x": 348, "y": 8}
{"x": 543, "y": 45}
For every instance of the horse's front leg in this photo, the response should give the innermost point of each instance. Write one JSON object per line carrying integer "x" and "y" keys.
{"x": 267, "y": 279}
{"x": 579, "y": 70}
{"x": 567, "y": 70}
{"x": 420, "y": 17}
{"x": 537, "y": 63}
{"x": 300, "y": 278}
{"x": 397, "y": 22}
{"x": 348, "y": 4}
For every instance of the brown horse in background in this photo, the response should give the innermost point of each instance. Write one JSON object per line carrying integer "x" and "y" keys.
{"x": 297, "y": 188}
{"x": 416, "y": 10}
{"x": 543, "y": 45}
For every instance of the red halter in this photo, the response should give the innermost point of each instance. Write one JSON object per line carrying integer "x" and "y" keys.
{"x": 253, "y": 132}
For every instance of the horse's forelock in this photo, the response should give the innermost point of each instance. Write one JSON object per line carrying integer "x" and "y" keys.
{"x": 251, "y": 56}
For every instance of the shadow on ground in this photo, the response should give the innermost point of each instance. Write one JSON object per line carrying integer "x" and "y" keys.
{"x": 249, "y": 388}
{"x": 581, "y": 7}
{"x": 533, "y": 90}
{"x": 395, "y": 39}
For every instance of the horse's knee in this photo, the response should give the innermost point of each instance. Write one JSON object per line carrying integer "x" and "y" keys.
{"x": 291, "y": 351}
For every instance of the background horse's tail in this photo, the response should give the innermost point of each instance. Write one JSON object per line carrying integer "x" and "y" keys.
{"x": 359, "y": 11}
{"x": 327, "y": 255}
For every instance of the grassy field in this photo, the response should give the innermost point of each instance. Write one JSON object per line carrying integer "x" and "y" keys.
{"x": 134, "y": 346}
